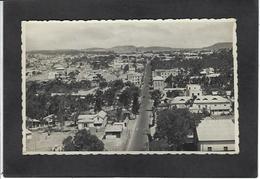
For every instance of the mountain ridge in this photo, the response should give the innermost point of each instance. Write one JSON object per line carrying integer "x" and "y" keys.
{"x": 132, "y": 48}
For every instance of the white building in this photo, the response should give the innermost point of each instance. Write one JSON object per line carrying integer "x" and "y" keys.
{"x": 158, "y": 83}
{"x": 215, "y": 105}
{"x": 135, "y": 78}
{"x": 97, "y": 121}
{"x": 113, "y": 132}
{"x": 164, "y": 73}
{"x": 216, "y": 135}
{"x": 209, "y": 72}
{"x": 193, "y": 90}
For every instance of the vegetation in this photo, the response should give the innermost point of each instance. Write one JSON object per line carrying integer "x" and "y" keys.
{"x": 136, "y": 105}
{"x": 83, "y": 141}
{"x": 156, "y": 96}
{"x": 173, "y": 126}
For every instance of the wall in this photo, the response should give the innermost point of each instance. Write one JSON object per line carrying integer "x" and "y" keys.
{"x": 216, "y": 145}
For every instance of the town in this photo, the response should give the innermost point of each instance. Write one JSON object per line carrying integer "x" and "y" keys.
{"x": 129, "y": 98}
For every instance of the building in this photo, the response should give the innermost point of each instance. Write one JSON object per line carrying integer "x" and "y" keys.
{"x": 216, "y": 135}
{"x": 113, "y": 132}
{"x": 164, "y": 73}
{"x": 215, "y": 105}
{"x": 193, "y": 90}
{"x": 158, "y": 83}
{"x": 135, "y": 78}
{"x": 32, "y": 123}
{"x": 97, "y": 121}
{"x": 209, "y": 72}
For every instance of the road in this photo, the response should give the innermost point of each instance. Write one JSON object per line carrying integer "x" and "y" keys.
{"x": 139, "y": 138}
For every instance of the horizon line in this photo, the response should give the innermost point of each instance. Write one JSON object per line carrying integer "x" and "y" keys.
{"x": 123, "y": 46}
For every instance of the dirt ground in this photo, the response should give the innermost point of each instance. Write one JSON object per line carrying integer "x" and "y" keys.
{"x": 42, "y": 142}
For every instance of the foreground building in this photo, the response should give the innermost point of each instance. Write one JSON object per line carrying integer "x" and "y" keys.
{"x": 113, "y": 132}
{"x": 216, "y": 135}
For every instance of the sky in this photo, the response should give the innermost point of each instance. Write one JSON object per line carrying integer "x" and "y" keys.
{"x": 53, "y": 35}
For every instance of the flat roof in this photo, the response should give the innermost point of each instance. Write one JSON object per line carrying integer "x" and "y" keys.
{"x": 114, "y": 128}
{"x": 216, "y": 130}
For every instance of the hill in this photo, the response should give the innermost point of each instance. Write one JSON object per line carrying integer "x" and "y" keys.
{"x": 218, "y": 46}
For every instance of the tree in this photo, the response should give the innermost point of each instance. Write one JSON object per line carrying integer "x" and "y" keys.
{"x": 109, "y": 96}
{"x": 125, "y": 98}
{"x": 103, "y": 84}
{"x": 169, "y": 80}
{"x": 135, "y": 107}
{"x": 156, "y": 95}
{"x": 98, "y": 101}
{"x": 83, "y": 141}
{"x": 126, "y": 68}
{"x": 174, "y": 126}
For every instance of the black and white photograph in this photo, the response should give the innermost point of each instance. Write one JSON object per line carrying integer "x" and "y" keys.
{"x": 130, "y": 87}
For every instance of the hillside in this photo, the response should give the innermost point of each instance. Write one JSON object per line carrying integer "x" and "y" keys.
{"x": 218, "y": 46}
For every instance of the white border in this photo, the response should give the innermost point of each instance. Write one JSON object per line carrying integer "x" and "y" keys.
{"x": 23, "y": 25}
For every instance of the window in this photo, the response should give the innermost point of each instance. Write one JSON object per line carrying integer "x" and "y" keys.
{"x": 214, "y": 99}
{"x": 198, "y": 94}
{"x": 209, "y": 148}
{"x": 225, "y": 148}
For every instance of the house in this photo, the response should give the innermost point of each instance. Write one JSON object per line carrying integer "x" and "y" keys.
{"x": 215, "y": 105}
{"x": 216, "y": 135}
{"x": 158, "y": 83}
{"x": 32, "y": 123}
{"x": 97, "y": 121}
{"x": 113, "y": 131}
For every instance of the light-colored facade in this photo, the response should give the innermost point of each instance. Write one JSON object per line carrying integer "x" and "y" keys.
{"x": 193, "y": 90}
{"x": 97, "y": 121}
{"x": 113, "y": 132}
{"x": 164, "y": 73}
{"x": 158, "y": 83}
{"x": 215, "y": 105}
{"x": 216, "y": 135}
{"x": 135, "y": 78}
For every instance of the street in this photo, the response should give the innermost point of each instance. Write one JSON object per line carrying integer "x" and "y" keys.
{"x": 139, "y": 138}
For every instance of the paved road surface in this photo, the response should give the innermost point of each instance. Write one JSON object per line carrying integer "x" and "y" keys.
{"x": 139, "y": 139}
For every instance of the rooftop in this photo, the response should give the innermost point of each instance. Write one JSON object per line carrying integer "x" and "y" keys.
{"x": 201, "y": 99}
{"x": 114, "y": 128}
{"x": 158, "y": 78}
{"x": 216, "y": 130}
